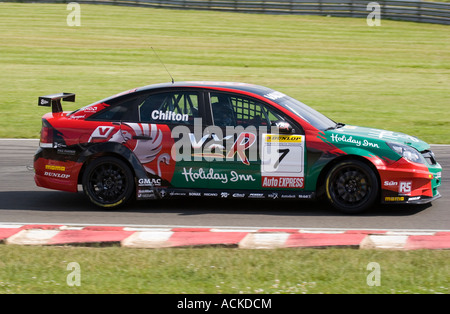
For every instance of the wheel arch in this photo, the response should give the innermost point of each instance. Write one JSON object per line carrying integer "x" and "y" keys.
{"x": 111, "y": 149}
{"x": 320, "y": 185}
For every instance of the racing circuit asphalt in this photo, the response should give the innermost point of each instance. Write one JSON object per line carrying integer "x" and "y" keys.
{"x": 21, "y": 201}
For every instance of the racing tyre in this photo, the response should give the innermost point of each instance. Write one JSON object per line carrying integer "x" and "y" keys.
{"x": 352, "y": 187}
{"x": 108, "y": 182}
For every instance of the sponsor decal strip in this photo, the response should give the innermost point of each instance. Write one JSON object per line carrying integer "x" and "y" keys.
{"x": 231, "y": 194}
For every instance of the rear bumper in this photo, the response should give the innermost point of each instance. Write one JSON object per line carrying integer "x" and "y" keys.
{"x": 55, "y": 184}
{"x": 54, "y": 174}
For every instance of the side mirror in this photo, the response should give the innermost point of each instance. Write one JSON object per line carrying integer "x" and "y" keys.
{"x": 283, "y": 127}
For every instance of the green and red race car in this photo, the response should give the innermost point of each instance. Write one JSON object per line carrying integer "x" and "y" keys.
{"x": 226, "y": 140}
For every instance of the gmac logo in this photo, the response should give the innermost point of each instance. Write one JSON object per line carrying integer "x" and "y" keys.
{"x": 149, "y": 182}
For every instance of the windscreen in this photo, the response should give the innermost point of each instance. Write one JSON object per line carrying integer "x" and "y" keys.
{"x": 305, "y": 112}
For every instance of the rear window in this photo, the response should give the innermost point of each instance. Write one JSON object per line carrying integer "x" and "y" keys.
{"x": 123, "y": 111}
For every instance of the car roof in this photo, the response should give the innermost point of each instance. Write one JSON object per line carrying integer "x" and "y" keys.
{"x": 244, "y": 87}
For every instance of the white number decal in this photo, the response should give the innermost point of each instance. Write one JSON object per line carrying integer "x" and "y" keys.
{"x": 282, "y": 163}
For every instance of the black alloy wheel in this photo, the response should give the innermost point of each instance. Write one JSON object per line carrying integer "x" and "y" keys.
{"x": 352, "y": 186}
{"x": 108, "y": 182}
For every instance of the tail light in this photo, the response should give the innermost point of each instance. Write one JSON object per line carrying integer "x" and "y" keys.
{"x": 46, "y": 135}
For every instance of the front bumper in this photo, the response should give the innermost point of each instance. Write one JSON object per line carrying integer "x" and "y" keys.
{"x": 410, "y": 183}
{"x": 411, "y": 199}
{"x": 423, "y": 200}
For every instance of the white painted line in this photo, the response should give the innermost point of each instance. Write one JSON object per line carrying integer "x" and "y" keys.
{"x": 227, "y": 229}
{"x": 142, "y": 229}
{"x": 19, "y": 139}
{"x": 410, "y": 233}
{"x": 264, "y": 241}
{"x": 384, "y": 242}
{"x": 321, "y": 231}
{"x": 134, "y": 227}
{"x": 32, "y": 237}
{"x": 147, "y": 239}
{"x": 71, "y": 228}
{"x": 12, "y": 226}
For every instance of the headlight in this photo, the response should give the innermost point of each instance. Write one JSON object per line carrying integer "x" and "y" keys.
{"x": 407, "y": 152}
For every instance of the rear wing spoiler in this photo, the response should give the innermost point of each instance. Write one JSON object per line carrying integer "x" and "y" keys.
{"x": 54, "y": 101}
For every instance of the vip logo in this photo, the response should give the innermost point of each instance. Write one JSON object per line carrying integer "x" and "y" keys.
{"x": 405, "y": 187}
{"x": 243, "y": 142}
{"x": 101, "y": 132}
{"x": 198, "y": 144}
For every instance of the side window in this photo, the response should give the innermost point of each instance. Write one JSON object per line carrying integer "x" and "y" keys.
{"x": 232, "y": 110}
{"x": 123, "y": 111}
{"x": 170, "y": 107}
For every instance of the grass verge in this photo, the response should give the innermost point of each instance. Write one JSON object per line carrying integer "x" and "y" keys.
{"x": 210, "y": 270}
{"x": 396, "y": 76}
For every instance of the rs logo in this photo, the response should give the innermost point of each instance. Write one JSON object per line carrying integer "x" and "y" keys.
{"x": 404, "y": 188}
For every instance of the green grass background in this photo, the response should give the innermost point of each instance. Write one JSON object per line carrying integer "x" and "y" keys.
{"x": 212, "y": 270}
{"x": 396, "y": 76}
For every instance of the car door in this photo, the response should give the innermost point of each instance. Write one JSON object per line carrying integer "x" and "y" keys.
{"x": 254, "y": 154}
{"x": 173, "y": 118}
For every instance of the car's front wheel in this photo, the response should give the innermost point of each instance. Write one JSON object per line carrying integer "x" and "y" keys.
{"x": 108, "y": 182}
{"x": 352, "y": 186}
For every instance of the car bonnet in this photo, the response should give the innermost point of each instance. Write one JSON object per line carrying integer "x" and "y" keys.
{"x": 382, "y": 135}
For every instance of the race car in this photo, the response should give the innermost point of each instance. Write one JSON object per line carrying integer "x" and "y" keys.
{"x": 225, "y": 140}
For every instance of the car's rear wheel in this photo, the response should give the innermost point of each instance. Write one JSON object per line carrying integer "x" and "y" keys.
{"x": 108, "y": 182}
{"x": 352, "y": 186}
